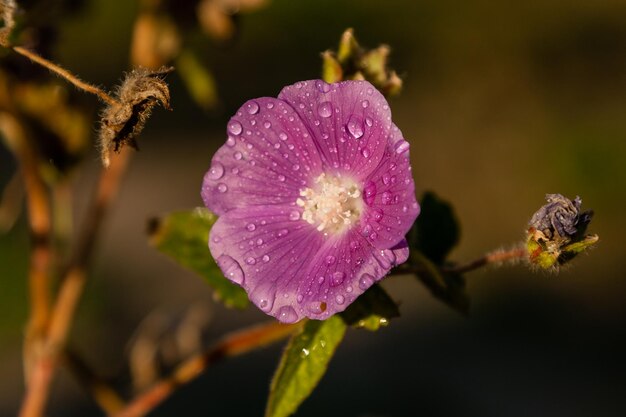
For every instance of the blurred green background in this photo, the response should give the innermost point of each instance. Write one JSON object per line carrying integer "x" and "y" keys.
{"x": 503, "y": 102}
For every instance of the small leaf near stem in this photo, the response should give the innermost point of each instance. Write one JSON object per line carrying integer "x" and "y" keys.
{"x": 303, "y": 364}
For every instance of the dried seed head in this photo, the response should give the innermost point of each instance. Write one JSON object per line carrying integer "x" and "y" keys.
{"x": 122, "y": 122}
{"x": 7, "y": 11}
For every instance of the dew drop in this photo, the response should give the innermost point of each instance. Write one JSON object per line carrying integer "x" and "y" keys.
{"x": 270, "y": 105}
{"x": 250, "y": 261}
{"x": 266, "y": 258}
{"x": 230, "y": 141}
{"x": 259, "y": 241}
{"x": 369, "y": 122}
{"x": 366, "y": 281}
{"x": 231, "y": 269}
{"x": 216, "y": 171}
{"x": 365, "y": 103}
{"x": 322, "y": 86}
{"x": 267, "y": 125}
{"x": 237, "y": 155}
{"x": 316, "y": 307}
{"x": 235, "y": 128}
{"x": 299, "y": 298}
{"x": 340, "y": 299}
{"x": 377, "y": 215}
{"x": 252, "y": 107}
{"x": 281, "y": 178}
{"x": 283, "y": 232}
{"x": 369, "y": 192}
{"x": 365, "y": 152}
{"x": 402, "y": 146}
{"x": 386, "y": 178}
{"x": 355, "y": 127}
{"x": 294, "y": 215}
{"x": 295, "y": 167}
{"x": 386, "y": 197}
{"x": 222, "y": 188}
{"x": 337, "y": 278}
{"x": 325, "y": 109}
{"x": 330, "y": 259}
{"x": 287, "y": 314}
{"x": 282, "y": 136}
{"x": 250, "y": 227}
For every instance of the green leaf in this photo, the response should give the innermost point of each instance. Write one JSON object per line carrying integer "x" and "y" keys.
{"x": 184, "y": 237}
{"x": 303, "y": 364}
{"x": 372, "y": 310}
{"x": 448, "y": 287}
{"x": 436, "y": 230}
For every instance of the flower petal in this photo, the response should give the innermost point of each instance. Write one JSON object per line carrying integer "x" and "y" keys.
{"x": 389, "y": 195}
{"x": 279, "y": 262}
{"x": 343, "y": 270}
{"x": 351, "y": 121}
{"x": 266, "y": 250}
{"x": 268, "y": 157}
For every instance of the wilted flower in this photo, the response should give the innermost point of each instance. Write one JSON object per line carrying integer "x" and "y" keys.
{"x": 315, "y": 194}
{"x": 556, "y": 231}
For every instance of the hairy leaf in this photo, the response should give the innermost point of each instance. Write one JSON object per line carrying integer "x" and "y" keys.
{"x": 184, "y": 236}
{"x": 303, "y": 364}
{"x": 371, "y": 310}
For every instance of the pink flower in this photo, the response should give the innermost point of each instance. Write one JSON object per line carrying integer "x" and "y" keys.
{"x": 315, "y": 195}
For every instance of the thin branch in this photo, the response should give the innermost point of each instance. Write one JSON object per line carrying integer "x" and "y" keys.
{"x": 71, "y": 289}
{"x": 40, "y": 225}
{"x": 234, "y": 344}
{"x": 496, "y": 257}
{"x": 65, "y": 74}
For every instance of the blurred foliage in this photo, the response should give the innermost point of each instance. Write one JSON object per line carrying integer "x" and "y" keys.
{"x": 435, "y": 232}
{"x": 184, "y": 236}
{"x": 303, "y": 364}
{"x": 372, "y": 310}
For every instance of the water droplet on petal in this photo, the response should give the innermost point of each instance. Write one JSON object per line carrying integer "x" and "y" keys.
{"x": 330, "y": 259}
{"x": 282, "y": 136}
{"x": 230, "y": 141}
{"x": 299, "y": 298}
{"x": 266, "y": 258}
{"x": 369, "y": 122}
{"x": 369, "y": 192}
{"x": 250, "y": 227}
{"x": 259, "y": 241}
{"x": 287, "y": 314}
{"x": 316, "y": 307}
{"x": 377, "y": 215}
{"x": 325, "y": 109}
{"x": 386, "y": 197}
{"x": 222, "y": 188}
{"x": 365, "y": 103}
{"x": 365, "y": 152}
{"x": 366, "y": 281}
{"x": 294, "y": 215}
{"x": 237, "y": 156}
{"x": 402, "y": 146}
{"x": 252, "y": 107}
{"x": 231, "y": 269}
{"x": 267, "y": 125}
{"x": 250, "y": 261}
{"x": 295, "y": 167}
{"x": 283, "y": 232}
{"x": 340, "y": 299}
{"x": 216, "y": 171}
{"x": 386, "y": 178}
{"x": 281, "y": 178}
{"x": 323, "y": 86}
{"x": 355, "y": 127}
{"x": 235, "y": 128}
{"x": 337, "y": 278}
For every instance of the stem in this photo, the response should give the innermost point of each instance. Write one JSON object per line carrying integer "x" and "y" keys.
{"x": 65, "y": 74}
{"x": 71, "y": 289}
{"x": 40, "y": 225}
{"x": 495, "y": 257}
{"x": 234, "y": 344}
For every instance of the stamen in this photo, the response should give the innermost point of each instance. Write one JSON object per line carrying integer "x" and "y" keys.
{"x": 333, "y": 204}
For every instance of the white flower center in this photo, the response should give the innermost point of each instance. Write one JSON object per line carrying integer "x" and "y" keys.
{"x": 333, "y": 204}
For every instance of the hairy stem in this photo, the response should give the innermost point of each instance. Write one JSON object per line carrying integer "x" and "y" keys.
{"x": 71, "y": 289}
{"x": 65, "y": 74}
{"x": 234, "y": 344}
{"x": 496, "y": 257}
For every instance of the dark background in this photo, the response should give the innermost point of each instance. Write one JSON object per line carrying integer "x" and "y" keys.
{"x": 503, "y": 102}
